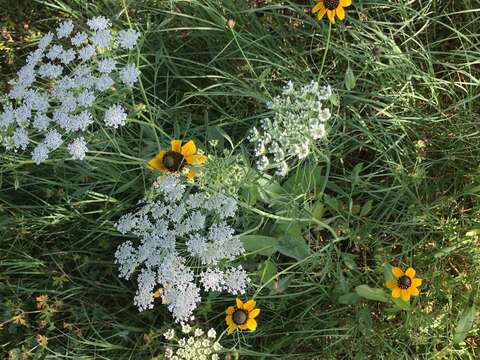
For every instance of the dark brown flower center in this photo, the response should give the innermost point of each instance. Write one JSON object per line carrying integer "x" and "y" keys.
{"x": 173, "y": 161}
{"x": 404, "y": 282}
{"x": 331, "y": 4}
{"x": 240, "y": 317}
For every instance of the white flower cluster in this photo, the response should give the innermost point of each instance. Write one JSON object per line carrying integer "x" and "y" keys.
{"x": 197, "y": 346}
{"x": 299, "y": 120}
{"x": 176, "y": 228}
{"x": 56, "y": 90}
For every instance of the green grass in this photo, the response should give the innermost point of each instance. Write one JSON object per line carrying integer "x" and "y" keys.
{"x": 405, "y": 139}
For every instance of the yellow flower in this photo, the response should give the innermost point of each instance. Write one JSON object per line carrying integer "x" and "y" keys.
{"x": 331, "y": 8}
{"x": 160, "y": 294}
{"x": 405, "y": 284}
{"x": 242, "y": 316}
{"x": 177, "y": 157}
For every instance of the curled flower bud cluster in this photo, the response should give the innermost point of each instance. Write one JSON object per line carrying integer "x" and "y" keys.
{"x": 175, "y": 229}
{"x": 197, "y": 345}
{"x": 299, "y": 121}
{"x": 53, "y": 99}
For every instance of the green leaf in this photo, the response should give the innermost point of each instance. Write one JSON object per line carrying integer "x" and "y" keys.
{"x": 267, "y": 270}
{"x": 365, "y": 321}
{"x": 281, "y": 285}
{"x": 318, "y": 210}
{"x": 350, "y": 80}
{"x": 464, "y": 324}
{"x": 366, "y": 208}
{"x": 348, "y": 299}
{"x": 289, "y": 228}
{"x": 293, "y": 246}
{"x": 369, "y": 293}
{"x": 258, "y": 244}
{"x": 401, "y": 304}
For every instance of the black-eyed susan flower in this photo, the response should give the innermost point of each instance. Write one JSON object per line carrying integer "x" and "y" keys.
{"x": 242, "y": 316}
{"x": 177, "y": 158}
{"x": 331, "y": 8}
{"x": 405, "y": 284}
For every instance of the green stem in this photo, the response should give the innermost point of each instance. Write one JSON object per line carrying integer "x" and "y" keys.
{"x": 326, "y": 51}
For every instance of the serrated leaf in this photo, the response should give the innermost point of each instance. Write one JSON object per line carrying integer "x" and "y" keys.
{"x": 293, "y": 246}
{"x": 259, "y": 244}
{"x": 350, "y": 80}
{"x": 266, "y": 271}
{"x": 464, "y": 324}
{"x": 369, "y": 293}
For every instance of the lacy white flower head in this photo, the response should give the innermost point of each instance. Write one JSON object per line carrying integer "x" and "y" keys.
{"x": 299, "y": 121}
{"x": 52, "y": 101}
{"x": 197, "y": 346}
{"x": 176, "y": 228}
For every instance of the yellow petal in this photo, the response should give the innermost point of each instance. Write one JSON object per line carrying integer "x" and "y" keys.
{"x": 321, "y": 13}
{"x": 318, "y": 7}
{"x": 229, "y": 320}
{"x": 254, "y": 313}
{"x": 157, "y": 294}
{"x": 231, "y": 328}
{"x": 230, "y": 310}
{"x": 405, "y": 295}
{"x": 191, "y": 174}
{"x": 345, "y": 3}
{"x": 176, "y": 145}
{"x": 340, "y": 13}
{"x": 189, "y": 148}
{"x": 157, "y": 162}
{"x": 251, "y": 324}
{"x": 249, "y": 305}
{"x": 416, "y": 282}
{"x": 397, "y": 272}
{"x": 410, "y": 272}
{"x": 196, "y": 159}
{"x": 397, "y": 292}
{"x": 239, "y": 303}
{"x": 414, "y": 291}
{"x": 391, "y": 284}
{"x": 331, "y": 16}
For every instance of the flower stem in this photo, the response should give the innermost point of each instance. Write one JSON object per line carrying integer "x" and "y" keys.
{"x": 326, "y": 50}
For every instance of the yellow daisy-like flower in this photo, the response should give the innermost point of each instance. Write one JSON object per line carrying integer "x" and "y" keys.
{"x": 331, "y": 8}
{"x": 405, "y": 284}
{"x": 177, "y": 157}
{"x": 242, "y": 316}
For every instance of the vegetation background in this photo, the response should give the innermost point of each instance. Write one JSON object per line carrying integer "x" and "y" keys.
{"x": 402, "y": 185}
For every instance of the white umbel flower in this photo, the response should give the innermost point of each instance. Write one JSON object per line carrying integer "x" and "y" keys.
{"x": 115, "y": 116}
{"x": 129, "y": 75}
{"x": 127, "y": 39}
{"x": 78, "y": 148}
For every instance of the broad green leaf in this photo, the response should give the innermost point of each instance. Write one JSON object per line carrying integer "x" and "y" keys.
{"x": 318, "y": 210}
{"x": 366, "y": 208}
{"x": 369, "y": 293}
{"x": 293, "y": 246}
{"x": 464, "y": 324}
{"x": 281, "y": 285}
{"x": 365, "y": 321}
{"x": 348, "y": 299}
{"x": 267, "y": 270}
{"x": 259, "y": 244}
{"x": 289, "y": 228}
{"x": 403, "y": 305}
{"x": 350, "y": 80}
